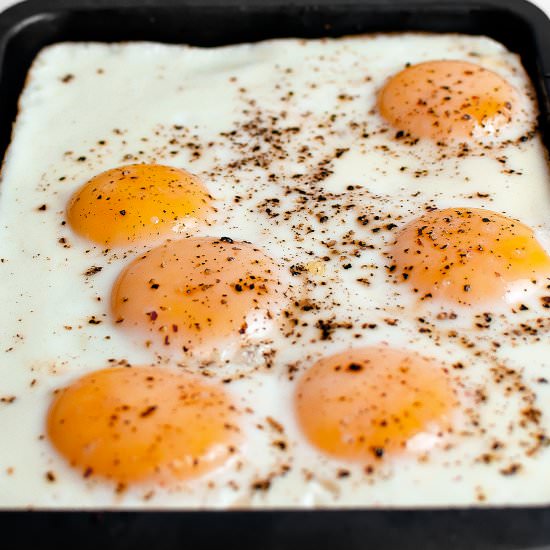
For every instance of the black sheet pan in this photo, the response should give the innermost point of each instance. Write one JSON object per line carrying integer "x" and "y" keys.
{"x": 27, "y": 27}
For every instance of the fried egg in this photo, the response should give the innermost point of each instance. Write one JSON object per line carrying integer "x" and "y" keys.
{"x": 365, "y": 403}
{"x": 468, "y": 256}
{"x": 297, "y": 273}
{"x": 198, "y": 292}
{"x": 136, "y": 203}
{"x": 142, "y": 423}
{"x": 449, "y": 100}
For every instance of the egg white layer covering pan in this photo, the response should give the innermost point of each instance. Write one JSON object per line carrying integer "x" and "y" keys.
{"x": 29, "y": 26}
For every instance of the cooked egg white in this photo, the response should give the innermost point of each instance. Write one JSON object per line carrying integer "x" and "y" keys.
{"x": 304, "y": 164}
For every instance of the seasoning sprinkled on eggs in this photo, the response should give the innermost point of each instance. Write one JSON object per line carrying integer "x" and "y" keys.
{"x": 448, "y": 100}
{"x": 368, "y": 403}
{"x": 140, "y": 424}
{"x": 138, "y": 203}
{"x": 296, "y": 273}
{"x": 198, "y": 291}
{"x": 468, "y": 256}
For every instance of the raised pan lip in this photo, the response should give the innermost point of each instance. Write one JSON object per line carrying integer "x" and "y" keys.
{"x": 17, "y": 16}
{"x": 21, "y": 14}
{"x": 14, "y": 17}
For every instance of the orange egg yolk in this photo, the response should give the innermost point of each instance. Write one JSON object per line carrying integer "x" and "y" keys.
{"x": 366, "y": 404}
{"x": 447, "y": 101}
{"x": 467, "y": 256}
{"x": 137, "y": 203}
{"x": 198, "y": 291}
{"x": 142, "y": 424}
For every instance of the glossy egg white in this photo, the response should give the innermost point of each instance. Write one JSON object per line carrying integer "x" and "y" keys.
{"x": 270, "y": 128}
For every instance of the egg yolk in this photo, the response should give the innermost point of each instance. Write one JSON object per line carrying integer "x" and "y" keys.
{"x": 137, "y": 203}
{"x": 142, "y": 424}
{"x": 366, "y": 404}
{"x": 448, "y": 101}
{"x": 467, "y": 256}
{"x": 198, "y": 291}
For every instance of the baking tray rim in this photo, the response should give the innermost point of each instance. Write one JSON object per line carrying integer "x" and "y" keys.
{"x": 18, "y": 17}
